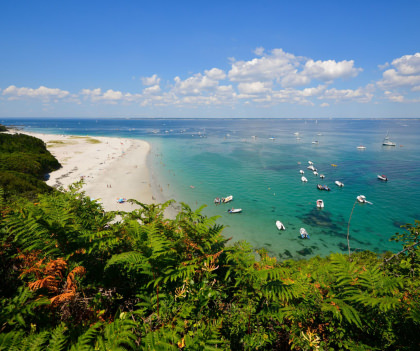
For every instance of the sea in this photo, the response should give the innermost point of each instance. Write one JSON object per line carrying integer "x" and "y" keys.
{"x": 258, "y": 161}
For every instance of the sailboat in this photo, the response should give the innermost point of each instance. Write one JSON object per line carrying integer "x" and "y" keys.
{"x": 387, "y": 141}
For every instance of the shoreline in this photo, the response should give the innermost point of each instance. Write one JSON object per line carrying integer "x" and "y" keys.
{"x": 111, "y": 168}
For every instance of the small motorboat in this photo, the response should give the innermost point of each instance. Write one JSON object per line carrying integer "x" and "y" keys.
{"x": 310, "y": 162}
{"x": 362, "y": 199}
{"x": 321, "y": 176}
{"x": 280, "y": 225}
{"x": 301, "y": 172}
{"x": 227, "y": 199}
{"x": 315, "y": 173}
{"x": 323, "y": 187}
{"x": 217, "y": 201}
{"x": 311, "y": 167}
{"x": 304, "y": 179}
{"x": 338, "y": 183}
{"x": 303, "y": 233}
{"x": 387, "y": 141}
{"x": 383, "y": 177}
{"x": 361, "y": 147}
{"x": 235, "y": 210}
{"x": 319, "y": 203}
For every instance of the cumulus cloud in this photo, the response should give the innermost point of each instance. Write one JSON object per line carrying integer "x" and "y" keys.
{"x": 289, "y": 70}
{"x": 153, "y": 80}
{"x": 404, "y": 74}
{"x": 272, "y": 66}
{"x": 361, "y": 95}
{"x": 110, "y": 96}
{"x": 330, "y": 69}
{"x": 199, "y": 83}
{"x": 155, "y": 89}
{"x": 42, "y": 93}
{"x": 254, "y": 87}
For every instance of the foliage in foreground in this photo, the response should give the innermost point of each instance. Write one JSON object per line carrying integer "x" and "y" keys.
{"x": 77, "y": 278}
{"x": 24, "y": 161}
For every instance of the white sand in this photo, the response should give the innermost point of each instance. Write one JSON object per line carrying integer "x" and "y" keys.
{"x": 111, "y": 168}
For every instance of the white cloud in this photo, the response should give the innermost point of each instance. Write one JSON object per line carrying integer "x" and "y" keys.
{"x": 153, "y": 80}
{"x": 254, "y": 88}
{"x": 155, "y": 89}
{"x": 259, "y": 51}
{"x": 199, "y": 83}
{"x": 325, "y": 104}
{"x": 361, "y": 95}
{"x": 408, "y": 64}
{"x": 405, "y": 74}
{"x": 42, "y": 93}
{"x": 215, "y": 73}
{"x": 330, "y": 69}
{"x": 110, "y": 96}
{"x": 289, "y": 70}
{"x": 267, "y": 68}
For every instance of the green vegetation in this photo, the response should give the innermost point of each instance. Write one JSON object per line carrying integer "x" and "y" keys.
{"x": 74, "y": 277}
{"x": 3, "y": 128}
{"x": 24, "y": 161}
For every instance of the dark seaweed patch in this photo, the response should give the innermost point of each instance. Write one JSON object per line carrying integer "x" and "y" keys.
{"x": 304, "y": 252}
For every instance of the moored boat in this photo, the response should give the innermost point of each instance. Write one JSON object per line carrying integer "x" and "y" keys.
{"x": 323, "y": 187}
{"x": 387, "y": 141}
{"x": 227, "y": 199}
{"x": 338, "y": 183}
{"x": 301, "y": 171}
{"x": 303, "y": 233}
{"x": 235, "y": 210}
{"x": 280, "y": 225}
{"x": 361, "y": 147}
{"x": 383, "y": 177}
{"x": 361, "y": 199}
{"x": 319, "y": 203}
{"x": 304, "y": 179}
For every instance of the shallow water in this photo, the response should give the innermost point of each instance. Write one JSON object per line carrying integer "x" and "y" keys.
{"x": 195, "y": 161}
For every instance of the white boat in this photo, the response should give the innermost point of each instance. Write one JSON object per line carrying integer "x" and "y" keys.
{"x": 315, "y": 173}
{"x": 303, "y": 233}
{"x": 311, "y": 167}
{"x": 321, "y": 176}
{"x": 362, "y": 199}
{"x": 304, "y": 179}
{"x": 227, "y": 199}
{"x": 315, "y": 142}
{"x": 280, "y": 225}
{"x": 387, "y": 141}
{"x": 382, "y": 177}
{"x": 235, "y": 210}
{"x": 319, "y": 203}
{"x": 301, "y": 172}
{"x": 361, "y": 147}
{"x": 338, "y": 183}
{"x": 310, "y": 162}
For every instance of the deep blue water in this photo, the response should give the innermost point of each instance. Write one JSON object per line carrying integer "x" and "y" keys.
{"x": 258, "y": 162}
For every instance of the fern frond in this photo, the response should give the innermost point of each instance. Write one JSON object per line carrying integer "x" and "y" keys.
{"x": 58, "y": 339}
{"x": 132, "y": 260}
{"x": 86, "y": 341}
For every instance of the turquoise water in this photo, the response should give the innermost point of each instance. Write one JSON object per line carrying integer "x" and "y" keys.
{"x": 258, "y": 162}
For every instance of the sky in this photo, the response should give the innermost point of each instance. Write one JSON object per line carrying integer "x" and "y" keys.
{"x": 205, "y": 59}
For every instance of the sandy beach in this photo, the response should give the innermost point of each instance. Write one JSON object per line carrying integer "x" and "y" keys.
{"x": 111, "y": 168}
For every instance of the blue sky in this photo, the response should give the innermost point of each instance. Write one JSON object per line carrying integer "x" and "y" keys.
{"x": 210, "y": 59}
